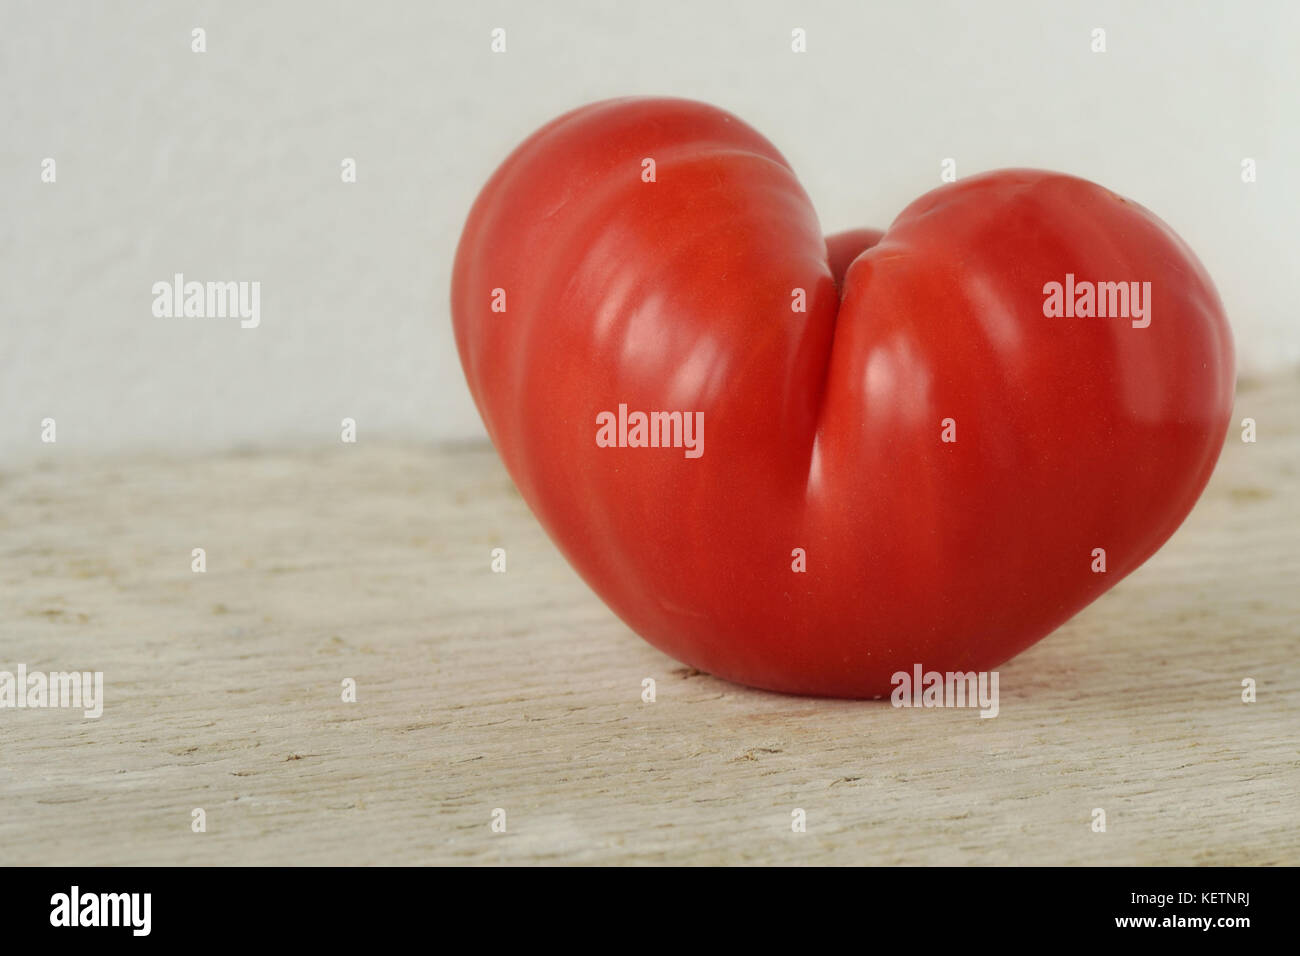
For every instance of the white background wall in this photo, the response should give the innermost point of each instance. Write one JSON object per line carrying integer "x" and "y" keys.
{"x": 225, "y": 165}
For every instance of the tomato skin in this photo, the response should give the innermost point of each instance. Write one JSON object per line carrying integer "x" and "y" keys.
{"x": 822, "y": 428}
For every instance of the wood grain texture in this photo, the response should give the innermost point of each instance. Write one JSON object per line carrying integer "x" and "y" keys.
{"x": 521, "y": 691}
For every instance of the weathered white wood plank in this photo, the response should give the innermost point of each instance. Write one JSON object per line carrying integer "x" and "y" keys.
{"x": 521, "y": 691}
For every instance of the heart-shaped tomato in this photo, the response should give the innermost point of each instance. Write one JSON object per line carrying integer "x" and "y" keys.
{"x": 932, "y": 452}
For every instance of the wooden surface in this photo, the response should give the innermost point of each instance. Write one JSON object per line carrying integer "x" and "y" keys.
{"x": 521, "y": 691}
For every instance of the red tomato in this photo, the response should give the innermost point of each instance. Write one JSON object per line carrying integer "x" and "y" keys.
{"x": 589, "y": 279}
